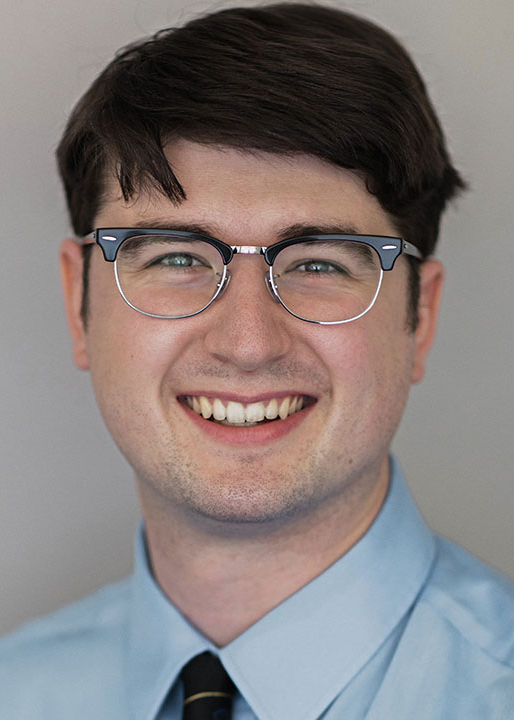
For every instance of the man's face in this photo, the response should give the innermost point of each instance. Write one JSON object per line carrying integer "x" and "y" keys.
{"x": 245, "y": 348}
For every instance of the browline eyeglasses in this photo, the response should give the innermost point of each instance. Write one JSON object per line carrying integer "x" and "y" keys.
{"x": 327, "y": 279}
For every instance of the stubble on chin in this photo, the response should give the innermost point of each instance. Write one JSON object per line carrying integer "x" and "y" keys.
{"x": 256, "y": 494}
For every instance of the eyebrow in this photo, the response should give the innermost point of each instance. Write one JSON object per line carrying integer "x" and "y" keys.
{"x": 290, "y": 231}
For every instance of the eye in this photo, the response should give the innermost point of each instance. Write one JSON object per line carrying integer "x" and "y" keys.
{"x": 317, "y": 267}
{"x": 176, "y": 260}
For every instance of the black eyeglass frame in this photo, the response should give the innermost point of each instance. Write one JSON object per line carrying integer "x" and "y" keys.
{"x": 388, "y": 250}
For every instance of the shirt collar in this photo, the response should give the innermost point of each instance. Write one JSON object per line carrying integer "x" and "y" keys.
{"x": 160, "y": 639}
{"x": 320, "y": 637}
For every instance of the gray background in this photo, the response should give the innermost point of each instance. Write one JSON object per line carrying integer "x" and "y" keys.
{"x": 68, "y": 506}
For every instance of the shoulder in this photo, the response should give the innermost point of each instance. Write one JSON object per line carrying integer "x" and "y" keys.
{"x": 90, "y": 619}
{"x": 455, "y": 657}
{"x": 474, "y": 599}
{"x": 74, "y": 652}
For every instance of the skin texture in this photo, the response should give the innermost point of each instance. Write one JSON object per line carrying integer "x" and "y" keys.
{"x": 233, "y": 529}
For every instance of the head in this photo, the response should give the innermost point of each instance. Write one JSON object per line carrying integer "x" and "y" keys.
{"x": 287, "y": 79}
{"x": 193, "y": 118}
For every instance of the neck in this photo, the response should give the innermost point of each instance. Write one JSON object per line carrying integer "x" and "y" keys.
{"x": 225, "y": 582}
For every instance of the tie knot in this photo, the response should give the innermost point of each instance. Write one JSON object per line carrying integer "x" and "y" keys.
{"x": 208, "y": 689}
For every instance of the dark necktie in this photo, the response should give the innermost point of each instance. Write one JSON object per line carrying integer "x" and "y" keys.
{"x": 208, "y": 690}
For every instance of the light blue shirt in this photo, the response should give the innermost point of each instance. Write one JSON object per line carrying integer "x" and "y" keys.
{"x": 404, "y": 626}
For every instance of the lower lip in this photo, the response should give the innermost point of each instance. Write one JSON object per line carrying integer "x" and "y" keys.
{"x": 254, "y": 435}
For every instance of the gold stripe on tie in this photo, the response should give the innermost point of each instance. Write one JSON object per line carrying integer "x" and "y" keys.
{"x": 200, "y": 695}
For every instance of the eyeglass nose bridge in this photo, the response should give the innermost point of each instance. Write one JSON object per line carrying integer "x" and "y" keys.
{"x": 248, "y": 249}
{"x": 268, "y": 276}
{"x": 268, "y": 279}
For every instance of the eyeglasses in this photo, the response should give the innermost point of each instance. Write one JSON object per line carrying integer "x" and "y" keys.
{"x": 323, "y": 279}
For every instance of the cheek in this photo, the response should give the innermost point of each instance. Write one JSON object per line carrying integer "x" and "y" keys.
{"x": 129, "y": 354}
{"x": 370, "y": 367}
{"x": 128, "y": 370}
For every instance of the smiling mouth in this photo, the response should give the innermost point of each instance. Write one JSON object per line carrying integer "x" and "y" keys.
{"x": 236, "y": 414}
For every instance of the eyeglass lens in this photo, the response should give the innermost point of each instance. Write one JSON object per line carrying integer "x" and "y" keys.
{"x": 167, "y": 276}
{"x": 327, "y": 281}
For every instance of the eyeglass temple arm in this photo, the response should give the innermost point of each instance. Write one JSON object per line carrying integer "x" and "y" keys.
{"x": 87, "y": 239}
{"x": 410, "y": 249}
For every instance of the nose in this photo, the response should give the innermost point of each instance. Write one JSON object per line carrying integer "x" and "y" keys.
{"x": 248, "y": 329}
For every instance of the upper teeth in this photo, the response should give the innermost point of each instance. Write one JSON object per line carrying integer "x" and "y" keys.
{"x": 237, "y": 413}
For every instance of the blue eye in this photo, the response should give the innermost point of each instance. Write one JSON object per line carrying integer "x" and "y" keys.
{"x": 317, "y": 266}
{"x": 177, "y": 260}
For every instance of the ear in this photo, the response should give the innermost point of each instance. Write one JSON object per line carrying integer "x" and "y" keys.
{"x": 431, "y": 285}
{"x": 71, "y": 264}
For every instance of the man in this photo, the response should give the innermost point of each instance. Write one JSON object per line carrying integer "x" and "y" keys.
{"x": 282, "y": 570}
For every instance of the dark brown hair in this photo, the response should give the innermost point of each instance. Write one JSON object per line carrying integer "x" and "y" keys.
{"x": 286, "y": 78}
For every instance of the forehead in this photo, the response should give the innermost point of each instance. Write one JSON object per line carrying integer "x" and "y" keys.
{"x": 230, "y": 191}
